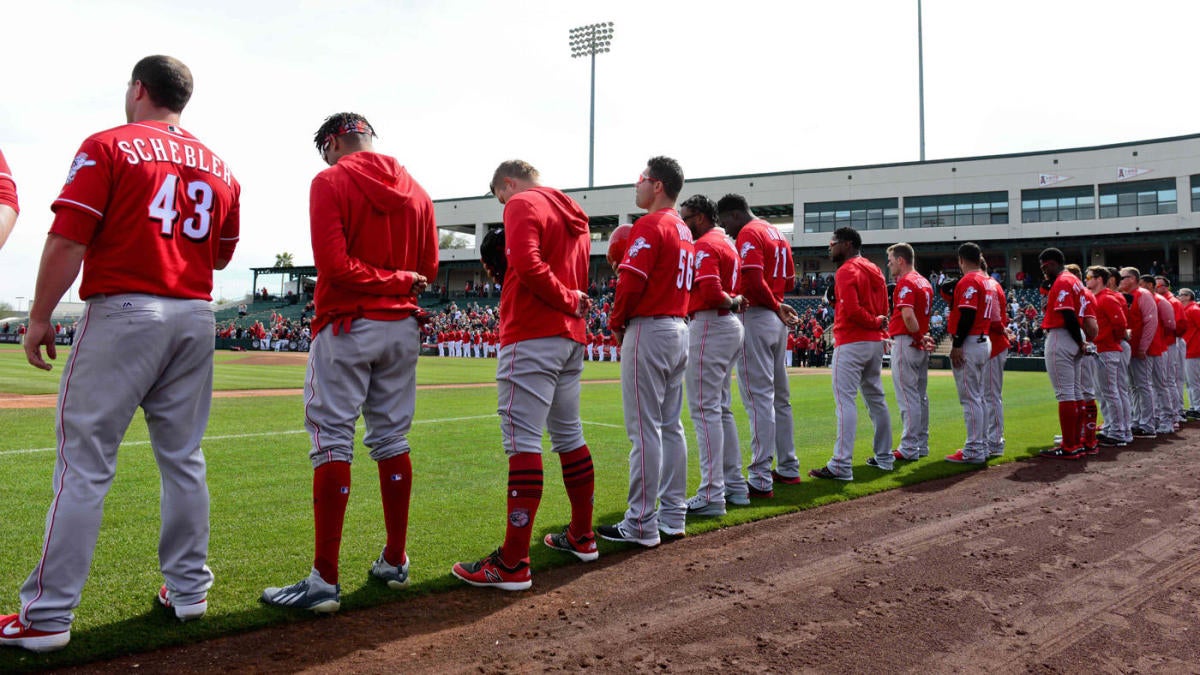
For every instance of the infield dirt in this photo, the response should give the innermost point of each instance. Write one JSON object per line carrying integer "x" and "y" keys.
{"x": 1033, "y": 566}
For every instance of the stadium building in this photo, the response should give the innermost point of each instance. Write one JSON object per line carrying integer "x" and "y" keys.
{"x": 1116, "y": 205}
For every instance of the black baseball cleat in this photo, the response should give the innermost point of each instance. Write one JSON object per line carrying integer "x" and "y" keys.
{"x": 1139, "y": 432}
{"x": 617, "y": 532}
{"x": 1059, "y": 453}
{"x": 825, "y": 473}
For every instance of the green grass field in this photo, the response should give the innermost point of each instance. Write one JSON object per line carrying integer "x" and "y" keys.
{"x": 260, "y": 481}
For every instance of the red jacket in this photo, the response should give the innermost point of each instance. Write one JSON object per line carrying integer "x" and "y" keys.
{"x": 1110, "y": 315}
{"x": 1191, "y": 334}
{"x": 547, "y": 246}
{"x": 861, "y": 297}
{"x": 372, "y": 228}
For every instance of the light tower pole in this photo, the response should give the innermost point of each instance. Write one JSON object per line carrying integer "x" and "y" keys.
{"x": 921, "y": 77}
{"x": 591, "y": 40}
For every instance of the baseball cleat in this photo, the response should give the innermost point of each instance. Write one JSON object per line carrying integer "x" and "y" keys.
{"x": 491, "y": 572}
{"x": 754, "y": 493}
{"x": 699, "y": 506}
{"x": 668, "y": 535}
{"x": 1059, "y": 453}
{"x": 619, "y": 533}
{"x": 785, "y": 480}
{"x": 737, "y": 499}
{"x": 874, "y": 461}
{"x": 1091, "y": 450}
{"x": 583, "y": 547}
{"x": 825, "y": 473}
{"x": 15, "y": 634}
{"x": 195, "y": 610}
{"x": 396, "y": 576}
{"x": 959, "y": 458}
{"x": 1139, "y": 432}
{"x": 992, "y": 454}
{"x": 1108, "y": 441}
{"x": 311, "y": 593}
{"x": 900, "y": 456}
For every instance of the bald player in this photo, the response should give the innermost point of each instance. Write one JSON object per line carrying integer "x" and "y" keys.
{"x": 8, "y": 201}
{"x": 714, "y": 341}
{"x": 154, "y": 211}
{"x": 767, "y": 272}
{"x": 543, "y": 300}
{"x": 375, "y": 245}
{"x": 1142, "y": 316}
{"x": 649, "y": 319}
{"x": 912, "y": 302}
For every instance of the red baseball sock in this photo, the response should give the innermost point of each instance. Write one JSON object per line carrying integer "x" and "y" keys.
{"x": 331, "y": 491}
{"x": 1089, "y": 423}
{"x": 524, "y": 496}
{"x": 580, "y": 481}
{"x": 1068, "y": 420}
{"x": 395, "y": 488}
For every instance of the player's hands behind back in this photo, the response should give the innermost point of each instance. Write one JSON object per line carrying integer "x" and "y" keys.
{"x": 39, "y": 333}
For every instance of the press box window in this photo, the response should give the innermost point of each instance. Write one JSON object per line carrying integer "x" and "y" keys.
{"x": 861, "y": 214}
{"x": 1138, "y": 198}
{"x": 976, "y": 208}
{"x": 1048, "y": 205}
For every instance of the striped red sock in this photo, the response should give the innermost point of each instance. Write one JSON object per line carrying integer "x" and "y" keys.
{"x": 580, "y": 481}
{"x": 524, "y": 496}
{"x": 395, "y": 489}
{"x": 331, "y": 491}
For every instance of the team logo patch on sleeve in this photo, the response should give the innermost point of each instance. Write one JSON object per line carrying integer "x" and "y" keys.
{"x": 904, "y": 291}
{"x": 969, "y": 293}
{"x": 81, "y": 161}
{"x": 637, "y": 245}
{"x": 700, "y": 255}
{"x": 1062, "y": 295}
{"x": 746, "y": 248}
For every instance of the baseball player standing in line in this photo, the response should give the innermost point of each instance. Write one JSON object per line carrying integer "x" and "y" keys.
{"x": 1191, "y": 338}
{"x": 1165, "y": 413}
{"x": 1176, "y": 350}
{"x": 971, "y": 314}
{"x": 649, "y": 307}
{"x": 8, "y": 201}
{"x": 1090, "y": 327}
{"x": 1064, "y": 349}
{"x": 912, "y": 302}
{"x": 1142, "y": 315}
{"x": 375, "y": 246}
{"x": 1124, "y": 388}
{"x": 860, "y": 324}
{"x": 767, "y": 272}
{"x": 714, "y": 341}
{"x": 993, "y": 375}
{"x": 154, "y": 211}
{"x": 1111, "y": 373}
{"x": 543, "y": 302}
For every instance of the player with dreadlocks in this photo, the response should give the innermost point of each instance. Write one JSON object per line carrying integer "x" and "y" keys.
{"x": 375, "y": 246}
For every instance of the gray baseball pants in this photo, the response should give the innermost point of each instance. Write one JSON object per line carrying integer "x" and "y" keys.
{"x": 130, "y": 350}
{"x": 372, "y": 368}
{"x": 1178, "y": 355}
{"x": 1192, "y": 367}
{"x": 970, "y": 380}
{"x": 1112, "y": 378}
{"x": 766, "y": 395}
{"x": 1062, "y": 364}
{"x": 1144, "y": 395}
{"x": 1165, "y": 412}
{"x": 714, "y": 342}
{"x": 910, "y": 378}
{"x": 654, "y": 356}
{"x": 858, "y": 366}
{"x": 993, "y": 403}
{"x": 537, "y": 387}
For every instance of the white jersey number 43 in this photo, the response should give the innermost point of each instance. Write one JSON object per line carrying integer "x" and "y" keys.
{"x": 162, "y": 208}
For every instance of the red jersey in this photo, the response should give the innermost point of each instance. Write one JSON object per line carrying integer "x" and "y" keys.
{"x": 547, "y": 246}
{"x": 972, "y": 292}
{"x": 1191, "y": 334}
{"x": 996, "y": 332}
{"x": 861, "y": 297}
{"x": 1180, "y": 319}
{"x": 160, "y": 210}
{"x": 1142, "y": 314}
{"x": 1110, "y": 316}
{"x": 661, "y": 254}
{"x": 372, "y": 229}
{"x": 1064, "y": 295}
{"x": 8, "y": 186}
{"x": 914, "y": 291}
{"x": 716, "y": 274}
{"x": 1087, "y": 308}
{"x": 1164, "y": 337}
{"x": 762, "y": 247}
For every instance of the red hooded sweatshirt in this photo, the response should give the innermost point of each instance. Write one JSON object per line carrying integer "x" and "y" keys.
{"x": 372, "y": 228}
{"x": 547, "y": 246}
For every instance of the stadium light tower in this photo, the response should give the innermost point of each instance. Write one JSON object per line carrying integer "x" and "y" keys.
{"x": 921, "y": 78}
{"x": 591, "y": 40}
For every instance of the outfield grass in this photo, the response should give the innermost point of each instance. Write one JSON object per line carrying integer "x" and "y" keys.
{"x": 260, "y": 480}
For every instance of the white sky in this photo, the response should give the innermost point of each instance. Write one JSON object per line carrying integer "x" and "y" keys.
{"x": 454, "y": 87}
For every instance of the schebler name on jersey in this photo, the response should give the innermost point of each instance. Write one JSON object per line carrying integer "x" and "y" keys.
{"x": 140, "y": 150}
